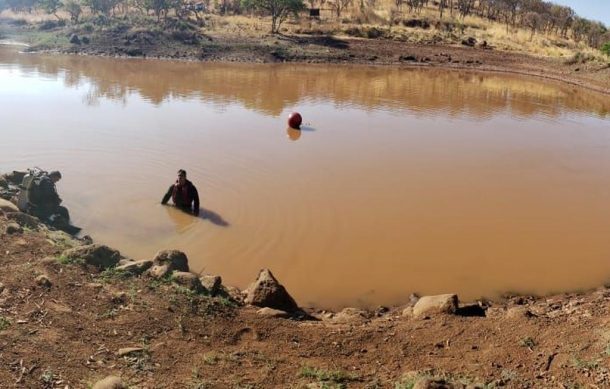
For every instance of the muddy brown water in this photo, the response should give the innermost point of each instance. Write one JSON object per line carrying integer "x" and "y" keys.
{"x": 401, "y": 181}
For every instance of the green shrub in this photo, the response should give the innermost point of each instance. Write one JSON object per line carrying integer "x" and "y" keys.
{"x": 606, "y": 49}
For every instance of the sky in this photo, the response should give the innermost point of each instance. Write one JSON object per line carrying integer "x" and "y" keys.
{"x": 590, "y": 9}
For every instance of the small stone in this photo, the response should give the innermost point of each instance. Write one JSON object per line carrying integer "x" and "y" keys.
{"x": 159, "y": 271}
{"x": 13, "y": 228}
{"x": 129, "y": 350}
{"x": 211, "y": 283}
{"x": 43, "y": 281}
{"x": 176, "y": 260}
{"x": 136, "y": 267}
{"x": 188, "y": 280}
{"x": 119, "y": 297}
{"x": 110, "y": 382}
{"x": 94, "y": 285}
{"x": 270, "y": 312}
{"x": 444, "y": 303}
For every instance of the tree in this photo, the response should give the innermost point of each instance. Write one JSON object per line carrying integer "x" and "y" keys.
{"x": 50, "y": 6}
{"x": 279, "y": 9}
{"x": 74, "y": 8}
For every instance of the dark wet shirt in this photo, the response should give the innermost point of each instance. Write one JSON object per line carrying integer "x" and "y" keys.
{"x": 45, "y": 194}
{"x": 183, "y": 196}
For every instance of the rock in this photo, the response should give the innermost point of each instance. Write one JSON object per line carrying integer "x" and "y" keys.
{"x": 407, "y": 312}
{"x": 85, "y": 40}
{"x": 177, "y": 260}
{"x": 15, "y": 178}
{"x": 2, "y": 287}
{"x": 444, "y": 303}
{"x": 74, "y": 39}
{"x": 3, "y": 182}
{"x": 266, "y": 291}
{"x": 129, "y": 350}
{"x": 211, "y": 283}
{"x": 7, "y": 206}
{"x": 13, "y": 228}
{"x": 136, "y": 267}
{"x": 351, "y": 315}
{"x": 188, "y": 280}
{"x": 100, "y": 256}
{"x": 235, "y": 294}
{"x": 270, "y": 312}
{"x": 23, "y": 219}
{"x": 110, "y": 382}
{"x": 43, "y": 281}
{"x": 119, "y": 298}
{"x": 94, "y": 285}
{"x": 517, "y": 312}
{"x": 470, "y": 41}
{"x": 427, "y": 383}
{"x": 407, "y": 58}
{"x": 159, "y": 271}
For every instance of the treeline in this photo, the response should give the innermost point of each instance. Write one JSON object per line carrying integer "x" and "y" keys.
{"x": 538, "y": 16}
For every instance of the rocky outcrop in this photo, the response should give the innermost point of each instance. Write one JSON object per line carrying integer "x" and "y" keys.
{"x": 444, "y": 303}
{"x": 266, "y": 291}
{"x": 100, "y": 256}
{"x": 176, "y": 260}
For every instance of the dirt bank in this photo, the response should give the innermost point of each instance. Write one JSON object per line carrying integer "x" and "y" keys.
{"x": 122, "y": 41}
{"x": 67, "y": 323}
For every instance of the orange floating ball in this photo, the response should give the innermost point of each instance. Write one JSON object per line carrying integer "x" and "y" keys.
{"x": 295, "y": 120}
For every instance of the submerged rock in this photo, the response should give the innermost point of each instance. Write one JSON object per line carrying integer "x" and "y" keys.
{"x": 444, "y": 303}
{"x": 100, "y": 256}
{"x": 266, "y": 291}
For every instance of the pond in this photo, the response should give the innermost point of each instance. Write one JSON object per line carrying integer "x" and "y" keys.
{"x": 402, "y": 180}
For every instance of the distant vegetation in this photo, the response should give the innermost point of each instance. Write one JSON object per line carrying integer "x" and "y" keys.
{"x": 531, "y": 16}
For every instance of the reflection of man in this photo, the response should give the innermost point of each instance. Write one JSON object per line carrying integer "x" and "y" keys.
{"x": 183, "y": 194}
{"x": 45, "y": 202}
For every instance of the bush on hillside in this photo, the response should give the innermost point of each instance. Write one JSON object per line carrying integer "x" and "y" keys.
{"x": 606, "y": 49}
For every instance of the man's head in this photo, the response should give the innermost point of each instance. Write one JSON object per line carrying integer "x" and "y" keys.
{"x": 55, "y": 175}
{"x": 181, "y": 176}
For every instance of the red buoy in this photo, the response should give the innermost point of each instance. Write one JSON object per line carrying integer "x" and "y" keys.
{"x": 295, "y": 120}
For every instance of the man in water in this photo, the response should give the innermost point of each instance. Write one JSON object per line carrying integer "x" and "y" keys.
{"x": 183, "y": 194}
{"x": 45, "y": 202}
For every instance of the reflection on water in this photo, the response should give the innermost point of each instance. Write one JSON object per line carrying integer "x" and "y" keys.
{"x": 413, "y": 180}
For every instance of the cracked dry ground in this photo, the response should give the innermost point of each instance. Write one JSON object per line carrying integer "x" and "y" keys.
{"x": 69, "y": 334}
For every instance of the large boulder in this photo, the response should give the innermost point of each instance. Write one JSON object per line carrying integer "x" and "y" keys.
{"x": 176, "y": 260}
{"x": 7, "y": 206}
{"x": 100, "y": 256}
{"x": 444, "y": 303}
{"x": 266, "y": 291}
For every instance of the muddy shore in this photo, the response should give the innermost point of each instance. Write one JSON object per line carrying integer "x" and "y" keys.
{"x": 72, "y": 314}
{"x": 322, "y": 49}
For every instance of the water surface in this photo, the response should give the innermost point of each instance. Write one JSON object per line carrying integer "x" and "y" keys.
{"x": 403, "y": 180}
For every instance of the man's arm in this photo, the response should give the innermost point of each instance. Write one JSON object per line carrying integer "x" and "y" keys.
{"x": 196, "y": 201}
{"x": 167, "y": 195}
